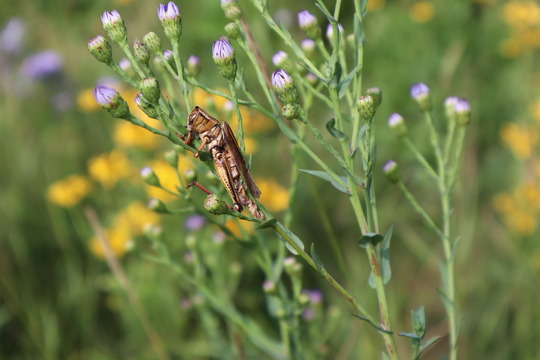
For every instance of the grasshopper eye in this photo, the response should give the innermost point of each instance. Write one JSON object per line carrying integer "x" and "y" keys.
{"x": 238, "y": 207}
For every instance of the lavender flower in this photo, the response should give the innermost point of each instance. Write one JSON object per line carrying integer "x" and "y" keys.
{"x": 170, "y": 18}
{"x": 115, "y": 27}
{"x": 225, "y": 58}
{"x": 280, "y": 58}
{"x": 391, "y": 170}
{"x": 420, "y": 93}
{"x": 463, "y": 111}
{"x": 110, "y": 100}
{"x": 11, "y": 37}
{"x": 44, "y": 64}
{"x": 397, "y": 123}
{"x": 284, "y": 87}
{"x": 308, "y": 22}
{"x": 194, "y": 222}
{"x": 194, "y": 65}
{"x": 100, "y": 48}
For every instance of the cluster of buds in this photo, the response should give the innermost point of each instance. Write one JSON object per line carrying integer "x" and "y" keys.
{"x": 285, "y": 89}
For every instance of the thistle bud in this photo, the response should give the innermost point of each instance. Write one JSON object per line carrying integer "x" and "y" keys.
{"x": 397, "y": 123}
{"x": 284, "y": 87}
{"x": 290, "y": 111}
{"x": 232, "y": 30}
{"x": 376, "y": 94}
{"x": 420, "y": 93}
{"x": 308, "y": 46}
{"x": 170, "y": 18}
{"x": 308, "y": 22}
{"x": 391, "y": 170}
{"x": 215, "y": 205}
{"x": 149, "y": 176}
{"x": 114, "y": 25}
{"x": 171, "y": 157}
{"x": 110, "y": 100}
{"x": 366, "y": 106}
{"x": 194, "y": 66}
{"x": 100, "y": 48}
{"x": 153, "y": 42}
{"x": 157, "y": 206}
{"x": 146, "y": 107}
{"x": 150, "y": 89}
{"x": 190, "y": 175}
{"x": 225, "y": 58}
{"x": 231, "y": 9}
{"x": 141, "y": 52}
{"x": 463, "y": 112}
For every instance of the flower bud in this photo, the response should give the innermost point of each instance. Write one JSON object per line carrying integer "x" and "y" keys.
{"x": 303, "y": 299}
{"x": 308, "y": 46}
{"x": 100, "y": 48}
{"x": 225, "y": 58}
{"x": 114, "y": 26}
{"x": 330, "y": 34}
{"x": 215, "y": 205}
{"x": 463, "y": 112}
{"x": 366, "y": 106}
{"x": 284, "y": 87}
{"x": 168, "y": 56}
{"x": 194, "y": 66}
{"x": 157, "y": 206}
{"x": 269, "y": 287}
{"x": 376, "y": 94}
{"x": 153, "y": 231}
{"x": 150, "y": 89}
{"x": 190, "y": 175}
{"x": 397, "y": 123}
{"x": 153, "y": 42}
{"x": 171, "y": 157}
{"x": 231, "y": 9}
{"x": 351, "y": 42}
{"x": 232, "y": 30}
{"x": 146, "y": 107}
{"x": 420, "y": 93}
{"x": 290, "y": 111}
{"x": 312, "y": 79}
{"x": 141, "y": 52}
{"x": 308, "y": 22}
{"x": 110, "y": 100}
{"x": 391, "y": 170}
{"x": 170, "y": 18}
{"x": 149, "y": 176}
{"x": 450, "y": 107}
{"x": 281, "y": 60}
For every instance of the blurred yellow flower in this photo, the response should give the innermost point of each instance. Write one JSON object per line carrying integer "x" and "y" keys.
{"x": 521, "y": 14}
{"x": 512, "y": 47}
{"x": 86, "y": 101}
{"x": 107, "y": 169}
{"x": 422, "y": 11}
{"x": 135, "y": 217}
{"x": 167, "y": 178}
{"x": 118, "y": 238}
{"x": 239, "y": 228}
{"x": 535, "y": 110}
{"x": 207, "y": 100}
{"x": 374, "y": 5}
{"x": 69, "y": 191}
{"x": 273, "y": 196}
{"x": 519, "y": 138}
{"x": 128, "y": 135}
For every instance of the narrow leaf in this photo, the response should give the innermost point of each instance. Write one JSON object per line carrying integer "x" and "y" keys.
{"x": 342, "y": 86}
{"x": 372, "y": 324}
{"x": 409, "y": 335}
{"x": 316, "y": 260}
{"x": 292, "y": 236}
{"x": 325, "y": 176}
{"x": 428, "y": 343}
{"x": 386, "y": 270}
{"x": 419, "y": 322}
{"x": 267, "y": 224}
{"x": 338, "y": 134}
{"x": 372, "y": 238}
{"x": 448, "y": 304}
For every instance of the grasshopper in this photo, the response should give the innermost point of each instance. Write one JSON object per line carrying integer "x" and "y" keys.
{"x": 229, "y": 162}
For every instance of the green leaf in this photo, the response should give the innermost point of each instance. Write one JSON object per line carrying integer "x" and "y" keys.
{"x": 419, "y": 322}
{"x": 409, "y": 335}
{"x": 267, "y": 224}
{"x": 448, "y": 304}
{"x": 316, "y": 260}
{"x": 372, "y": 238}
{"x": 338, "y": 134}
{"x": 325, "y": 176}
{"x": 386, "y": 270}
{"x": 372, "y": 324}
{"x": 342, "y": 86}
{"x": 428, "y": 343}
{"x": 291, "y": 235}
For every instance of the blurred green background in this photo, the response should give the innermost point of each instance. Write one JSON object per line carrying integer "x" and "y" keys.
{"x": 58, "y": 297}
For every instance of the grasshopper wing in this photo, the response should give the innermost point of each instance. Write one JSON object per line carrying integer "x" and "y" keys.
{"x": 232, "y": 145}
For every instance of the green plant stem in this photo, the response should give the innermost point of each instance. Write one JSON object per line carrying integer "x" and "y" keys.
{"x": 125, "y": 48}
{"x": 180, "y": 71}
{"x": 232, "y": 88}
{"x": 421, "y": 158}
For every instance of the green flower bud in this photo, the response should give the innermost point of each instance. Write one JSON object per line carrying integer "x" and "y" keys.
{"x": 391, "y": 170}
{"x": 292, "y": 267}
{"x": 376, "y": 94}
{"x": 304, "y": 299}
{"x": 157, "y": 206}
{"x": 171, "y": 157}
{"x": 308, "y": 22}
{"x": 290, "y": 111}
{"x": 269, "y": 287}
{"x": 232, "y": 30}
{"x": 149, "y": 176}
{"x": 153, "y": 231}
{"x": 450, "y": 107}
{"x": 215, "y": 205}
{"x": 150, "y": 89}
{"x": 141, "y": 52}
{"x": 100, "y": 48}
{"x": 231, "y": 9}
{"x": 284, "y": 87}
{"x": 146, "y": 107}
{"x": 420, "y": 93}
{"x": 170, "y": 18}
{"x": 225, "y": 58}
{"x": 114, "y": 26}
{"x": 366, "y": 106}
{"x": 308, "y": 46}
{"x": 194, "y": 66}
{"x": 153, "y": 42}
{"x": 397, "y": 123}
{"x": 110, "y": 100}
{"x": 190, "y": 175}
{"x": 463, "y": 112}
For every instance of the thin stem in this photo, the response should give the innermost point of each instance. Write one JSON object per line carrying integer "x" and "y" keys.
{"x": 232, "y": 88}
{"x": 421, "y": 159}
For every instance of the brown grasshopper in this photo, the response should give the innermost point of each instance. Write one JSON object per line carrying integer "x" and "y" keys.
{"x": 228, "y": 159}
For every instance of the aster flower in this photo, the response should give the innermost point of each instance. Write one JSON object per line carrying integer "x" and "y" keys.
{"x": 100, "y": 48}
{"x": 391, "y": 170}
{"x": 115, "y": 27}
{"x": 397, "y": 123}
{"x": 284, "y": 87}
{"x": 308, "y": 22}
{"x": 225, "y": 58}
{"x": 420, "y": 93}
{"x": 42, "y": 65}
{"x": 110, "y": 100}
{"x": 194, "y": 65}
{"x": 11, "y": 36}
{"x": 463, "y": 111}
{"x": 170, "y": 18}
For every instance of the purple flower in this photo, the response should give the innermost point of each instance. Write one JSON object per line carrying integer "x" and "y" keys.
{"x": 279, "y": 58}
{"x": 315, "y": 296}
{"x": 306, "y": 19}
{"x": 194, "y": 222}
{"x": 418, "y": 91}
{"x": 11, "y": 37}
{"x": 168, "y": 11}
{"x": 105, "y": 95}
{"x": 222, "y": 49}
{"x": 280, "y": 78}
{"x": 42, "y": 65}
{"x": 109, "y": 18}
{"x": 462, "y": 106}
{"x": 395, "y": 120}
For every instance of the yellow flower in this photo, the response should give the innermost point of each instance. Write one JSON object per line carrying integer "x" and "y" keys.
{"x": 422, "y": 11}
{"x": 535, "y": 110}
{"x": 521, "y": 222}
{"x": 273, "y": 196}
{"x": 128, "y": 135}
{"x": 239, "y": 228}
{"x": 69, "y": 191}
{"x": 521, "y": 14}
{"x": 519, "y": 138}
{"x": 374, "y": 5}
{"x": 109, "y": 168}
{"x": 167, "y": 178}
{"x": 118, "y": 238}
{"x": 86, "y": 101}
{"x": 512, "y": 47}
{"x": 207, "y": 100}
{"x": 528, "y": 194}
{"x": 135, "y": 217}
